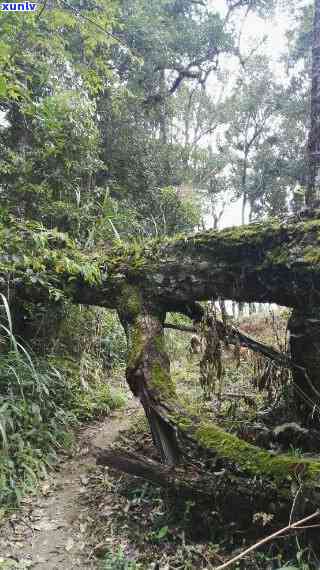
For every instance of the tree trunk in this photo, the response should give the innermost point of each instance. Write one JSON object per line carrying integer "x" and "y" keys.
{"x": 276, "y": 262}
{"x": 244, "y": 184}
{"x": 304, "y": 329}
{"x": 148, "y": 373}
{"x": 216, "y": 491}
{"x": 271, "y": 262}
{"x": 236, "y": 463}
{"x": 314, "y": 136}
{"x": 243, "y": 208}
{"x": 163, "y": 111}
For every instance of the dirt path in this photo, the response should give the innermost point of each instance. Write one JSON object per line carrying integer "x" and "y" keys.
{"x": 50, "y": 530}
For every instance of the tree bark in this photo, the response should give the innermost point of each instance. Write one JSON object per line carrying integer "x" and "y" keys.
{"x": 276, "y": 262}
{"x": 304, "y": 328}
{"x": 148, "y": 373}
{"x": 215, "y": 490}
{"x": 243, "y": 208}
{"x": 314, "y": 136}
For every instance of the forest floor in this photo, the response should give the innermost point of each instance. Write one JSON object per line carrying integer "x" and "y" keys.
{"x": 88, "y": 517}
{"x": 49, "y": 531}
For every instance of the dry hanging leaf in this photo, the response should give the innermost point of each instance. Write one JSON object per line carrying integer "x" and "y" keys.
{"x": 69, "y": 544}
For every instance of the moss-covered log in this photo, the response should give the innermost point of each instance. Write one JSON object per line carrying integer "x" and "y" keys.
{"x": 230, "y": 491}
{"x": 250, "y": 459}
{"x": 239, "y": 467}
{"x": 244, "y": 480}
{"x": 274, "y": 261}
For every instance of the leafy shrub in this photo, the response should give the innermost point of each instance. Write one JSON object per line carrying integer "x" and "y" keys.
{"x": 114, "y": 342}
{"x": 88, "y": 332}
{"x": 39, "y": 401}
{"x": 95, "y": 402}
{"x": 118, "y": 561}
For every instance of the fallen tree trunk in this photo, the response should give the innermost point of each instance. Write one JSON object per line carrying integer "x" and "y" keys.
{"x": 247, "y": 460}
{"x": 229, "y": 490}
{"x": 216, "y": 490}
{"x": 274, "y": 261}
{"x": 241, "y": 466}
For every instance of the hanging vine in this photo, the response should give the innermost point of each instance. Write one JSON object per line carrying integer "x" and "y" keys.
{"x": 211, "y": 365}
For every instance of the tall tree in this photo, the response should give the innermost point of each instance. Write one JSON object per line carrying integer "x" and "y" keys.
{"x": 250, "y": 115}
{"x": 313, "y": 190}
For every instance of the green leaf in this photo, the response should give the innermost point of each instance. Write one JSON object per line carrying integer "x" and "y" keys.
{"x": 3, "y": 87}
{"x": 162, "y": 532}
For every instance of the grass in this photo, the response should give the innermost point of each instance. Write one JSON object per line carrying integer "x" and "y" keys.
{"x": 39, "y": 406}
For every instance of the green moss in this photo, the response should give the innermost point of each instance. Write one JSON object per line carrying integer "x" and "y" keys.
{"x": 184, "y": 423}
{"x": 278, "y": 255}
{"x": 258, "y": 231}
{"x": 159, "y": 343}
{"x": 252, "y": 459}
{"x": 312, "y": 255}
{"x": 130, "y": 301}
{"x": 136, "y": 347}
{"x": 40, "y": 254}
{"x": 311, "y": 224}
{"x": 238, "y": 234}
{"x": 161, "y": 381}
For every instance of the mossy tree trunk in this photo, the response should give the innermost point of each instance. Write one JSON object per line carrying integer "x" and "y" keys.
{"x": 148, "y": 375}
{"x": 271, "y": 262}
{"x": 276, "y": 261}
{"x": 304, "y": 329}
{"x": 148, "y": 369}
{"x": 241, "y": 483}
{"x": 251, "y": 479}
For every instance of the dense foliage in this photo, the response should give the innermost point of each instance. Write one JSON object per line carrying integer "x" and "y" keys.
{"x": 119, "y": 120}
{"x": 41, "y": 398}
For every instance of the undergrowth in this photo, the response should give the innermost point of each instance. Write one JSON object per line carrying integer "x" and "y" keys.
{"x": 117, "y": 560}
{"x": 140, "y": 526}
{"x": 39, "y": 404}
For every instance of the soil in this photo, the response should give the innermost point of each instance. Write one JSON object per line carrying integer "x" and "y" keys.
{"x": 49, "y": 531}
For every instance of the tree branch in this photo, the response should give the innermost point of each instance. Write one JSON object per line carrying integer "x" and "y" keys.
{"x": 298, "y": 525}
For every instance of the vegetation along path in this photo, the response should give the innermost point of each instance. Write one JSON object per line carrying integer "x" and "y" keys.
{"x": 50, "y": 530}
